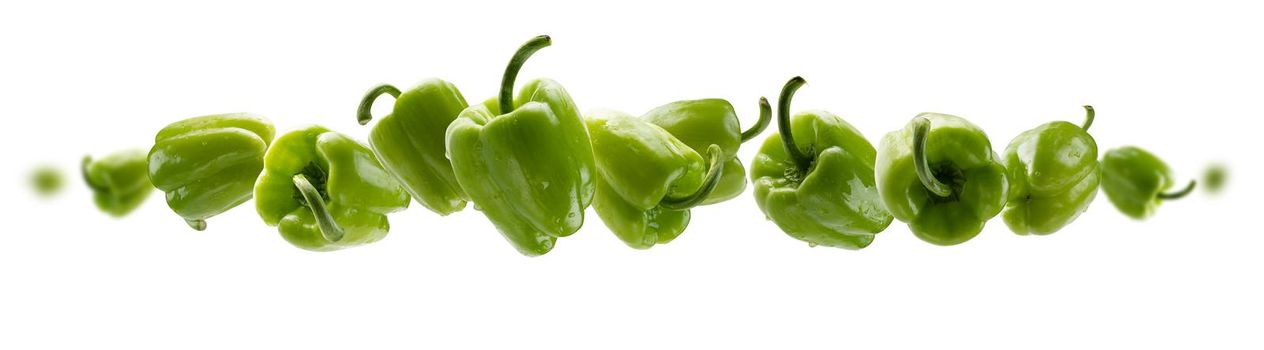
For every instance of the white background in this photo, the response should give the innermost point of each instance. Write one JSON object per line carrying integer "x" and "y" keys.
{"x": 1182, "y": 80}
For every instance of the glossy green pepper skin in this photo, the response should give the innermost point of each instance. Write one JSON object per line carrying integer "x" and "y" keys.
{"x": 940, "y": 175}
{"x": 530, "y": 168}
{"x": 1135, "y": 181}
{"x": 647, "y": 179}
{"x": 410, "y": 143}
{"x": 815, "y": 179}
{"x": 119, "y": 181}
{"x": 706, "y": 122}
{"x": 1053, "y": 176}
{"x": 209, "y": 164}
{"x": 326, "y": 191}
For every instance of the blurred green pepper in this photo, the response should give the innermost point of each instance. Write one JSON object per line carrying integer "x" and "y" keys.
{"x": 1215, "y": 177}
{"x": 209, "y": 164}
{"x": 706, "y": 122}
{"x": 119, "y": 181}
{"x": 1053, "y": 176}
{"x": 1135, "y": 181}
{"x": 47, "y": 181}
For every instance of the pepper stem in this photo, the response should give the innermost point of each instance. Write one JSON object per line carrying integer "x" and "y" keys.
{"x": 765, "y": 118}
{"x": 198, "y": 224}
{"x": 1179, "y": 194}
{"x": 921, "y": 129}
{"x": 313, "y": 200}
{"x": 715, "y": 167}
{"x": 1089, "y": 115}
{"x": 783, "y": 123}
{"x": 365, "y": 113}
{"x": 515, "y": 64}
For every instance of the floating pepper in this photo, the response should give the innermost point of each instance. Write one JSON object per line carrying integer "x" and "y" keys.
{"x": 815, "y": 178}
{"x": 410, "y": 144}
{"x": 119, "y": 181}
{"x": 47, "y": 181}
{"x": 526, "y": 163}
{"x": 1215, "y": 177}
{"x": 647, "y": 179}
{"x": 940, "y": 175}
{"x": 1053, "y": 176}
{"x": 1136, "y": 181}
{"x": 325, "y": 191}
{"x": 706, "y": 122}
{"x": 208, "y": 165}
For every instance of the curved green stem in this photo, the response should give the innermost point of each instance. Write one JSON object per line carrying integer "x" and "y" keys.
{"x": 783, "y": 123}
{"x": 365, "y": 113}
{"x": 515, "y": 64}
{"x": 1179, "y": 194}
{"x": 1089, "y": 115}
{"x": 199, "y": 225}
{"x": 715, "y": 167}
{"x": 765, "y": 118}
{"x": 83, "y": 168}
{"x": 313, "y": 200}
{"x": 921, "y": 130}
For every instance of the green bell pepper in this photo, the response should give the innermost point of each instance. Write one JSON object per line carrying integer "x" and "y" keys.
{"x": 814, "y": 179}
{"x": 706, "y": 122}
{"x": 410, "y": 144}
{"x": 1135, "y": 181}
{"x": 47, "y": 181}
{"x": 940, "y": 175}
{"x": 208, "y": 165}
{"x": 325, "y": 191}
{"x": 1053, "y": 176}
{"x": 647, "y": 179}
{"x": 527, "y": 164}
{"x": 1215, "y": 178}
{"x": 119, "y": 181}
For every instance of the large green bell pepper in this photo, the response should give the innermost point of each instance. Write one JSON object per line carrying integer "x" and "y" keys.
{"x": 410, "y": 144}
{"x": 814, "y": 179}
{"x": 326, "y": 191}
{"x": 527, "y": 164}
{"x": 706, "y": 122}
{"x": 1136, "y": 180}
{"x": 1053, "y": 176}
{"x": 209, "y": 164}
{"x": 119, "y": 181}
{"x": 940, "y": 175}
{"x": 647, "y": 179}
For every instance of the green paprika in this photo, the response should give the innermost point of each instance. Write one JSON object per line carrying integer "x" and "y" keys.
{"x": 1136, "y": 181}
{"x": 208, "y": 165}
{"x": 410, "y": 144}
{"x": 940, "y": 175}
{"x": 526, "y": 163}
{"x": 705, "y": 122}
{"x": 815, "y": 178}
{"x": 325, "y": 191}
{"x": 647, "y": 179}
{"x": 119, "y": 181}
{"x": 47, "y": 181}
{"x": 1053, "y": 176}
{"x": 1215, "y": 177}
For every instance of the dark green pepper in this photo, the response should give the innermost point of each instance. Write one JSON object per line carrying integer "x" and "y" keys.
{"x": 706, "y": 122}
{"x": 940, "y": 175}
{"x": 209, "y": 164}
{"x": 815, "y": 178}
{"x": 1053, "y": 176}
{"x": 119, "y": 181}
{"x": 527, "y": 164}
{"x": 1136, "y": 181}
{"x": 647, "y": 179}
{"x": 410, "y": 144}
{"x": 326, "y": 191}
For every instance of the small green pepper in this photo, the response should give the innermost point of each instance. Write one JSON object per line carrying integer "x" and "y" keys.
{"x": 119, "y": 181}
{"x": 209, "y": 164}
{"x": 1053, "y": 176}
{"x": 815, "y": 178}
{"x": 1215, "y": 177}
{"x": 706, "y": 122}
{"x": 47, "y": 181}
{"x": 940, "y": 175}
{"x": 1135, "y": 181}
{"x": 647, "y": 179}
{"x": 326, "y": 191}
{"x": 410, "y": 144}
{"x": 526, "y": 163}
